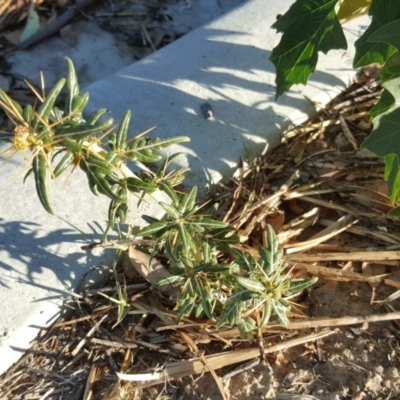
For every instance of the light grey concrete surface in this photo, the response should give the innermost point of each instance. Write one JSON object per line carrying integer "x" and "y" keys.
{"x": 224, "y": 63}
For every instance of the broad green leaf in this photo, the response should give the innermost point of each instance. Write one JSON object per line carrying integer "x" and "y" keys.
{"x": 383, "y": 105}
{"x": 251, "y": 284}
{"x": 41, "y": 174}
{"x": 385, "y": 137}
{"x": 392, "y": 176}
{"x": 367, "y": 52}
{"x": 350, "y": 9}
{"x": 308, "y": 27}
{"x": 388, "y": 33}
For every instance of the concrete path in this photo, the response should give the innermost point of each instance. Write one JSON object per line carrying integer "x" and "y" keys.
{"x": 224, "y": 63}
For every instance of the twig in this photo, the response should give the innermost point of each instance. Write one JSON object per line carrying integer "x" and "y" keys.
{"x": 87, "y": 336}
{"x": 56, "y": 25}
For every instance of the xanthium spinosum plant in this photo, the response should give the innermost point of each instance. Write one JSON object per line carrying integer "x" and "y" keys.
{"x": 246, "y": 291}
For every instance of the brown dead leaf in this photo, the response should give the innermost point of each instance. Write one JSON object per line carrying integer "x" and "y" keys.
{"x": 151, "y": 270}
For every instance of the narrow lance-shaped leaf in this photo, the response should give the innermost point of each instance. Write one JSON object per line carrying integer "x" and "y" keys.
{"x": 296, "y": 286}
{"x": 39, "y": 166}
{"x": 188, "y": 201}
{"x": 251, "y": 284}
{"x": 45, "y": 108}
{"x": 63, "y": 164}
{"x": 152, "y": 229}
{"x": 122, "y": 132}
{"x": 83, "y": 131}
{"x": 72, "y": 85}
{"x": 137, "y": 185}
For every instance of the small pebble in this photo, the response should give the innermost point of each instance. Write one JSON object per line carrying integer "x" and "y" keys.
{"x": 206, "y": 110}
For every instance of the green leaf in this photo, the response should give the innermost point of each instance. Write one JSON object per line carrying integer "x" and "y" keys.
{"x": 83, "y": 131}
{"x": 210, "y": 223}
{"x": 167, "y": 188}
{"x": 152, "y": 229}
{"x": 298, "y": 285}
{"x": 188, "y": 201}
{"x": 230, "y": 315}
{"x": 28, "y": 113}
{"x": 246, "y": 324}
{"x": 250, "y": 284}
{"x": 272, "y": 240}
{"x": 388, "y": 33}
{"x": 170, "y": 280}
{"x": 137, "y": 185}
{"x": 204, "y": 296}
{"x": 40, "y": 171}
{"x": 63, "y": 164}
{"x": 32, "y": 25}
{"x": 94, "y": 117}
{"x": 187, "y": 240}
{"x": 384, "y": 139}
{"x": 268, "y": 260}
{"x": 122, "y": 132}
{"x": 385, "y": 102}
{"x": 170, "y": 210}
{"x": 367, "y": 52}
{"x": 280, "y": 311}
{"x": 392, "y": 176}
{"x": 11, "y": 107}
{"x": 395, "y": 212}
{"x": 185, "y": 309}
{"x": 308, "y": 27}
{"x": 73, "y": 87}
{"x": 78, "y": 104}
{"x": 46, "y": 107}
{"x": 266, "y": 314}
{"x": 350, "y": 9}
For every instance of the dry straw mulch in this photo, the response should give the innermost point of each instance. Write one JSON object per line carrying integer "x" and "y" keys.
{"x": 327, "y": 201}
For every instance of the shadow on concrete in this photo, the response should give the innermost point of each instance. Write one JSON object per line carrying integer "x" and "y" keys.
{"x": 167, "y": 89}
{"x": 28, "y": 256}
